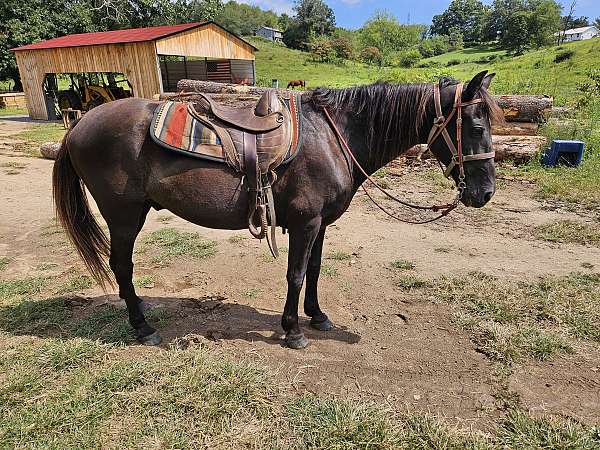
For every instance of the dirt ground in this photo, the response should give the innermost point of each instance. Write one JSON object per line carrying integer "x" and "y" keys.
{"x": 388, "y": 344}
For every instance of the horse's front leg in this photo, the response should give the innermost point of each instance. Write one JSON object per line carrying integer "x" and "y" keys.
{"x": 302, "y": 238}
{"x": 318, "y": 319}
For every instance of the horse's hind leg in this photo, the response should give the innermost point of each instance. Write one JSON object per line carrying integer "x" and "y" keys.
{"x": 319, "y": 319}
{"x": 124, "y": 229}
{"x": 302, "y": 238}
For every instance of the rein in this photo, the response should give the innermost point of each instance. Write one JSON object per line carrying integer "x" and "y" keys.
{"x": 439, "y": 128}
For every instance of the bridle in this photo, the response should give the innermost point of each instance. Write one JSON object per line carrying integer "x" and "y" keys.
{"x": 440, "y": 125}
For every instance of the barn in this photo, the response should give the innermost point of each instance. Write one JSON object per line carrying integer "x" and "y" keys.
{"x": 152, "y": 60}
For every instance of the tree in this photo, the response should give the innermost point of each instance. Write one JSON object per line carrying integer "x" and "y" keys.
{"x": 521, "y": 24}
{"x": 384, "y": 32}
{"x": 544, "y": 22}
{"x": 284, "y": 22}
{"x": 26, "y": 22}
{"x": 315, "y": 17}
{"x": 244, "y": 19}
{"x": 467, "y": 16}
{"x": 597, "y": 23}
{"x": 515, "y": 36}
{"x": 576, "y": 22}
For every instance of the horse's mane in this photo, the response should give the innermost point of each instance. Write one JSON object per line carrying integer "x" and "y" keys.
{"x": 394, "y": 112}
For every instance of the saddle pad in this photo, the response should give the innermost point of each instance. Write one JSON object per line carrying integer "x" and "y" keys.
{"x": 173, "y": 127}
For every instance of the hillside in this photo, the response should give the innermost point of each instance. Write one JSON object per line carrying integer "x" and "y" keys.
{"x": 535, "y": 72}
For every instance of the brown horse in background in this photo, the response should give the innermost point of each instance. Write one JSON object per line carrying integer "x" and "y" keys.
{"x": 110, "y": 152}
{"x": 297, "y": 83}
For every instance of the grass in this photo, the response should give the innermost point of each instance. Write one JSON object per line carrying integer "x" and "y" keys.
{"x": 568, "y": 231}
{"x": 339, "y": 255}
{"x": 13, "y": 111}
{"x": 172, "y": 243}
{"x": 410, "y": 282}
{"x": 329, "y": 270}
{"x": 403, "y": 264}
{"x": 75, "y": 284}
{"x": 4, "y": 260}
{"x": 78, "y": 386}
{"x": 145, "y": 281}
{"x": 514, "y": 321}
{"x": 44, "y": 132}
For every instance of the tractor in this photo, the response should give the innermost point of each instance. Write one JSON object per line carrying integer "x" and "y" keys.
{"x": 88, "y": 90}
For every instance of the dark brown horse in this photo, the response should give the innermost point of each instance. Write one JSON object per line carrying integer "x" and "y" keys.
{"x": 296, "y": 83}
{"x": 110, "y": 152}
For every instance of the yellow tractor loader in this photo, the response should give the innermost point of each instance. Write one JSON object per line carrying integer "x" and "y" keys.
{"x": 92, "y": 89}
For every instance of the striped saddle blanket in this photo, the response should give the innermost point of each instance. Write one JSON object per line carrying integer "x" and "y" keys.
{"x": 174, "y": 128}
{"x": 179, "y": 127}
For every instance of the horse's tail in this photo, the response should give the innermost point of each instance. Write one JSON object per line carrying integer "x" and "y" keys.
{"x": 73, "y": 212}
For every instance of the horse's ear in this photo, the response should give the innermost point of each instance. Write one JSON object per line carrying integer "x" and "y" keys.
{"x": 488, "y": 80}
{"x": 474, "y": 85}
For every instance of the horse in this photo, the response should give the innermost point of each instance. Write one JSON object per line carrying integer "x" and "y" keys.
{"x": 109, "y": 152}
{"x": 296, "y": 83}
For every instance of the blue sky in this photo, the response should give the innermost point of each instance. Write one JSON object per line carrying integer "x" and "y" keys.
{"x": 353, "y": 13}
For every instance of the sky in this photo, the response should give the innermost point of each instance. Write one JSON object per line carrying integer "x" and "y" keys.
{"x": 353, "y": 13}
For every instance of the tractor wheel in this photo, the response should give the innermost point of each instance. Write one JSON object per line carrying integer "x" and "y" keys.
{"x": 68, "y": 99}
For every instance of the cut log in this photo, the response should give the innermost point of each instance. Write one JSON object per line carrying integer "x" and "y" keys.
{"x": 50, "y": 149}
{"x": 210, "y": 87}
{"x": 525, "y": 108}
{"x": 515, "y": 129}
{"x": 519, "y": 149}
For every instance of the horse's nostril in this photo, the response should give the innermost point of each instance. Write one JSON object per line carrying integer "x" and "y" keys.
{"x": 488, "y": 196}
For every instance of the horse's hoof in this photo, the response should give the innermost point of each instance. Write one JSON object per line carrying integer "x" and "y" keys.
{"x": 150, "y": 340}
{"x": 296, "y": 341}
{"x": 323, "y": 325}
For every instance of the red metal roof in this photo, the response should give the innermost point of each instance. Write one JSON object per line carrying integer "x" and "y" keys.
{"x": 112, "y": 37}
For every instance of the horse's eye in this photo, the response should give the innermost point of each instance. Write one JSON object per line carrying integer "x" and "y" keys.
{"x": 478, "y": 131}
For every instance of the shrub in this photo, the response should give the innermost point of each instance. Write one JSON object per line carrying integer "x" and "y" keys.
{"x": 342, "y": 48}
{"x": 428, "y": 64}
{"x": 453, "y": 62}
{"x": 322, "y": 50}
{"x": 409, "y": 58}
{"x": 564, "y": 55}
{"x": 371, "y": 55}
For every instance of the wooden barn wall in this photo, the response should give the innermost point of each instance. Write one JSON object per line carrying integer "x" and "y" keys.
{"x": 137, "y": 61}
{"x": 206, "y": 42}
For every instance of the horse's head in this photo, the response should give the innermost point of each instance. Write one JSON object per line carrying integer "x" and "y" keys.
{"x": 461, "y": 136}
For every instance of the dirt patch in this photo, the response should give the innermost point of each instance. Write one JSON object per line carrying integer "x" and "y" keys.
{"x": 389, "y": 343}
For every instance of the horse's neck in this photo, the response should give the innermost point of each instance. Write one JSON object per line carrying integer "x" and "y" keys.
{"x": 372, "y": 159}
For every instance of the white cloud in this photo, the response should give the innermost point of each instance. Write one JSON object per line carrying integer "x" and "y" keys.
{"x": 279, "y": 6}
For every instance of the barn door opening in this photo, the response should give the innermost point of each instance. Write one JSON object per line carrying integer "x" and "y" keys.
{"x": 83, "y": 91}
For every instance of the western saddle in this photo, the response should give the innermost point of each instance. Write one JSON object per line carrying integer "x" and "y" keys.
{"x": 255, "y": 142}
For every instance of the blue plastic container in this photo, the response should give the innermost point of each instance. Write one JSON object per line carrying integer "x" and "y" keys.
{"x": 569, "y": 153}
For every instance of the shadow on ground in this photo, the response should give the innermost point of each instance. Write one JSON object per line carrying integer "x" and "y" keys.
{"x": 105, "y": 318}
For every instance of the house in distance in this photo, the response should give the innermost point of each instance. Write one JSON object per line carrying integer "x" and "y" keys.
{"x": 271, "y": 34}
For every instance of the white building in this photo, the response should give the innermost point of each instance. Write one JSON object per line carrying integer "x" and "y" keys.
{"x": 270, "y": 33}
{"x": 580, "y": 34}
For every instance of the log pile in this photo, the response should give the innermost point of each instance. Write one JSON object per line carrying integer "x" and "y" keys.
{"x": 516, "y": 139}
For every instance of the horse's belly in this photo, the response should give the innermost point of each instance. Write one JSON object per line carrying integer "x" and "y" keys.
{"x": 210, "y": 196}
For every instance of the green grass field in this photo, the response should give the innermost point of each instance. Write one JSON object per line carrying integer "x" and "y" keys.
{"x": 532, "y": 73}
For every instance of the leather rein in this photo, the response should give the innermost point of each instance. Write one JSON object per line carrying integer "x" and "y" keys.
{"x": 439, "y": 128}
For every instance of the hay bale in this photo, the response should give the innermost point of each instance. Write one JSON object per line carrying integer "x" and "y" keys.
{"x": 49, "y": 150}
